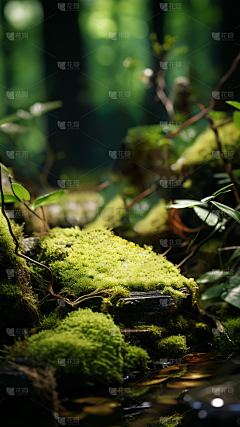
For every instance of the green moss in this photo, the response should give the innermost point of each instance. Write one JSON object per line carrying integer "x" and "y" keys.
{"x": 232, "y": 328}
{"x": 155, "y": 221}
{"x": 170, "y": 421}
{"x": 83, "y": 261}
{"x": 179, "y": 322}
{"x": 110, "y": 216}
{"x": 86, "y": 346}
{"x": 114, "y": 299}
{"x": 134, "y": 357}
{"x": 200, "y": 152}
{"x": 16, "y": 296}
{"x": 173, "y": 346}
{"x": 178, "y": 374}
{"x": 149, "y": 136}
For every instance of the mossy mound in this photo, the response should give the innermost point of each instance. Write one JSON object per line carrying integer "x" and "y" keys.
{"x": 173, "y": 346}
{"x": 111, "y": 215}
{"x": 149, "y": 136}
{"x": 83, "y": 261}
{"x": 16, "y": 296}
{"x": 86, "y": 347}
{"x": 155, "y": 221}
{"x": 205, "y": 149}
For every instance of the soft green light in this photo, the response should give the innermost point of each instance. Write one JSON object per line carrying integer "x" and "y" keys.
{"x": 105, "y": 55}
{"x": 21, "y": 14}
{"x": 139, "y": 29}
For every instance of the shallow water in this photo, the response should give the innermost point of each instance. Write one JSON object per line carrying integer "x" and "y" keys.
{"x": 202, "y": 389}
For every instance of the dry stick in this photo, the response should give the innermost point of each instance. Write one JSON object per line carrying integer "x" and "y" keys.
{"x": 140, "y": 197}
{"x": 212, "y": 102}
{"x": 206, "y": 239}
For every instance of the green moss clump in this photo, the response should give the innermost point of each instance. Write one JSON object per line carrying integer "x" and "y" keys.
{"x": 171, "y": 421}
{"x": 85, "y": 346}
{"x": 232, "y": 328}
{"x": 173, "y": 346}
{"x": 179, "y": 322}
{"x": 134, "y": 357}
{"x": 16, "y": 296}
{"x": 83, "y": 261}
{"x": 200, "y": 152}
{"x": 155, "y": 221}
{"x": 114, "y": 300}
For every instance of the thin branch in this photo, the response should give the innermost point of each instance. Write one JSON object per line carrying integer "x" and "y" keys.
{"x": 140, "y": 197}
{"x": 212, "y": 102}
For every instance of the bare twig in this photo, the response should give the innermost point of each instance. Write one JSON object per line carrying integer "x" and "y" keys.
{"x": 141, "y": 196}
{"x": 212, "y": 102}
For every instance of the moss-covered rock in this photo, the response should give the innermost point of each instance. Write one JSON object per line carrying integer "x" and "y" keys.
{"x": 86, "y": 346}
{"x": 155, "y": 221}
{"x": 83, "y": 261}
{"x": 17, "y": 299}
{"x": 205, "y": 149}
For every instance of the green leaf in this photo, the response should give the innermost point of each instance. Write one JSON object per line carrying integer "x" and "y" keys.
{"x": 8, "y": 198}
{"x": 212, "y": 276}
{"x": 232, "y": 296}
{"x": 229, "y": 211}
{"x": 47, "y": 199}
{"x": 235, "y": 254}
{"x": 186, "y": 204}
{"x": 220, "y": 175}
{"x": 210, "y": 219}
{"x": 224, "y": 181}
{"x": 207, "y": 199}
{"x": 236, "y": 118}
{"x": 234, "y": 104}
{"x": 21, "y": 192}
{"x": 221, "y": 190}
{"x": 213, "y": 292}
{"x": 3, "y": 167}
